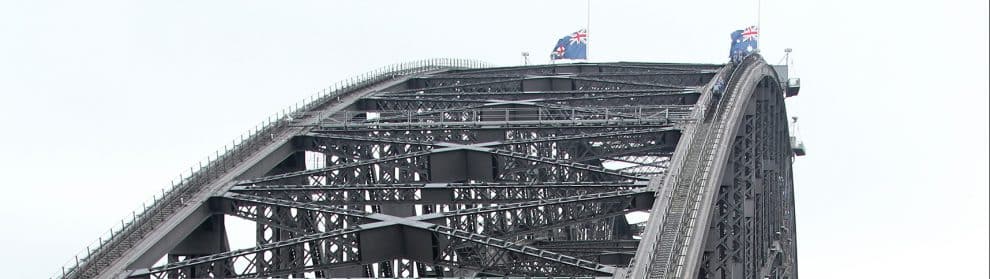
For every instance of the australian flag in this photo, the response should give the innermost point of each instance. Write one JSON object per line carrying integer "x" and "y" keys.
{"x": 744, "y": 42}
{"x": 573, "y": 46}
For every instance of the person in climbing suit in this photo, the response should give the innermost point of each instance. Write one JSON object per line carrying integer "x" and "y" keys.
{"x": 717, "y": 89}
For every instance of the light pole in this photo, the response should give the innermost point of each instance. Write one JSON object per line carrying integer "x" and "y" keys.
{"x": 787, "y": 55}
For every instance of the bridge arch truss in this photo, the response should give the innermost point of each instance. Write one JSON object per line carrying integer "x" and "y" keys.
{"x": 449, "y": 171}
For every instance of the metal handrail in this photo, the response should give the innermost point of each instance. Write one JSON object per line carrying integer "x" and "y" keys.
{"x": 699, "y": 177}
{"x": 666, "y": 189}
{"x": 181, "y": 190}
{"x": 704, "y": 175}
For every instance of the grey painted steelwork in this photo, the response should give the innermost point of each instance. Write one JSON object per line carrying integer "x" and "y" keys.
{"x": 445, "y": 171}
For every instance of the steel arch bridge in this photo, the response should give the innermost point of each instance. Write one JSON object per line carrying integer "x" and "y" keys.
{"x": 443, "y": 168}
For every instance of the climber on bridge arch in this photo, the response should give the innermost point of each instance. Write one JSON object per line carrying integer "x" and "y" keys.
{"x": 718, "y": 88}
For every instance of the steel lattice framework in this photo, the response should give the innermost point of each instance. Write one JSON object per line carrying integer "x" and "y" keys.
{"x": 446, "y": 171}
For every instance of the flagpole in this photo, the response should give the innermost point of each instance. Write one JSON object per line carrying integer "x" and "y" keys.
{"x": 759, "y": 4}
{"x": 587, "y": 26}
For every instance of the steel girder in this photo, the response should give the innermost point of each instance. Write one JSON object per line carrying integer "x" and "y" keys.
{"x": 725, "y": 208}
{"x": 416, "y": 102}
{"x": 341, "y": 247}
{"x": 752, "y": 217}
{"x": 477, "y": 131}
{"x": 589, "y": 69}
{"x": 516, "y": 171}
{"x": 517, "y": 83}
{"x": 436, "y": 193}
{"x": 664, "y": 79}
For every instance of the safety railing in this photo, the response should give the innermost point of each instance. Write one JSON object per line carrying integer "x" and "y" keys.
{"x": 686, "y": 225}
{"x": 182, "y": 189}
{"x": 675, "y": 177}
{"x": 665, "y": 193}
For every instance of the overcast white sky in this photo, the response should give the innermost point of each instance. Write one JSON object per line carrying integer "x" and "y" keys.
{"x": 102, "y": 103}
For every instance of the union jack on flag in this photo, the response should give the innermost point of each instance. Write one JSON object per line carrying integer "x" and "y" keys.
{"x": 744, "y": 42}
{"x": 751, "y": 33}
{"x": 580, "y": 37}
{"x": 573, "y": 46}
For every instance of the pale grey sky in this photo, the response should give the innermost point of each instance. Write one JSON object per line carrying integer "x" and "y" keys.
{"x": 102, "y": 103}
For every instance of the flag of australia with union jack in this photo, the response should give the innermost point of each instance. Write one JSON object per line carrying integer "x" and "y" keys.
{"x": 744, "y": 42}
{"x": 573, "y": 46}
